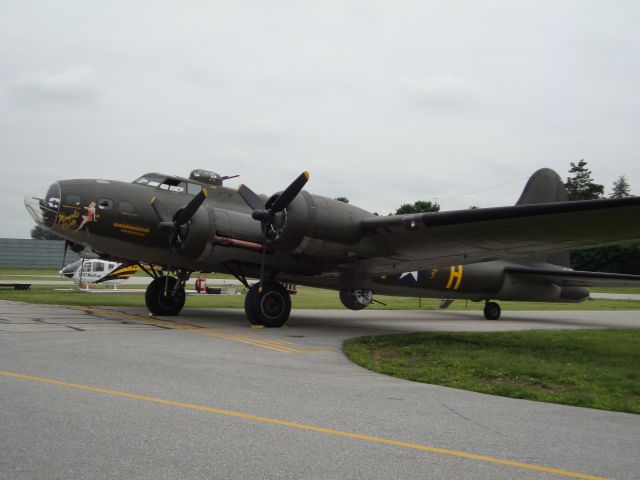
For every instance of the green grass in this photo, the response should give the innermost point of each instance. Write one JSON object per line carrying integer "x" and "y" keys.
{"x": 307, "y": 298}
{"x": 587, "y": 368}
{"x": 615, "y": 290}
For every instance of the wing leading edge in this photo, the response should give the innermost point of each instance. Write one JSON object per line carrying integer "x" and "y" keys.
{"x": 467, "y": 236}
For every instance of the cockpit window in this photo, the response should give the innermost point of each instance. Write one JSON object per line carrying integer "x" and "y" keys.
{"x": 150, "y": 180}
{"x": 164, "y": 183}
{"x": 173, "y": 185}
{"x": 72, "y": 199}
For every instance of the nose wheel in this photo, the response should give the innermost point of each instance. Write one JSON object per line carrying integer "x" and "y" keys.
{"x": 269, "y": 307}
{"x": 492, "y": 311}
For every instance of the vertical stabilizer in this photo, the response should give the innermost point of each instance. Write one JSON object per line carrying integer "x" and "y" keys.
{"x": 546, "y": 186}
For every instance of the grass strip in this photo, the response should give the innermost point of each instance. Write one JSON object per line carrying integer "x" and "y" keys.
{"x": 307, "y": 298}
{"x": 587, "y": 368}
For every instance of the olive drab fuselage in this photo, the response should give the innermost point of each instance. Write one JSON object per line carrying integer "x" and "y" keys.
{"x": 322, "y": 238}
{"x": 181, "y": 225}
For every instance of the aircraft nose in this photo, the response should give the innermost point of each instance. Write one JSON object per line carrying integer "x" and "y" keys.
{"x": 44, "y": 205}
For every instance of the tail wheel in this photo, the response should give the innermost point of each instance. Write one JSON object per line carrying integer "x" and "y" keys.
{"x": 270, "y": 307}
{"x": 492, "y": 311}
{"x": 160, "y": 303}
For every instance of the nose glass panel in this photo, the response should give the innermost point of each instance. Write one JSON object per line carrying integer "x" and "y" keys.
{"x": 44, "y": 205}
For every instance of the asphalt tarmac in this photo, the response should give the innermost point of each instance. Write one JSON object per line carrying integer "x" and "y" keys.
{"x": 103, "y": 393}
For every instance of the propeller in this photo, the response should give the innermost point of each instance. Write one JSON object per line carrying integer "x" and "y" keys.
{"x": 177, "y": 226}
{"x": 272, "y": 215}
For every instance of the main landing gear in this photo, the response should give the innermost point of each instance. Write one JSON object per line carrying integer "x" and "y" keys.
{"x": 492, "y": 310}
{"x": 356, "y": 299}
{"x": 268, "y": 306}
{"x": 165, "y": 294}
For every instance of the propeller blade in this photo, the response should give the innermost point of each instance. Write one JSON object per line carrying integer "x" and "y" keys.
{"x": 287, "y": 196}
{"x": 255, "y": 201}
{"x": 190, "y": 210}
{"x": 160, "y": 210}
{"x": 64, "y": 253}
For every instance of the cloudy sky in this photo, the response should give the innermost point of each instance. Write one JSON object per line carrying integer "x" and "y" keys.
{"x": 383, "y": 102}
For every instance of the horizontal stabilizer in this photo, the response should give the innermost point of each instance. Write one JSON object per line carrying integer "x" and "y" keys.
{"x": 575, "y": 278}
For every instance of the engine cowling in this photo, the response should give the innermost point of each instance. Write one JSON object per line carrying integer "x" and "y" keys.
{"x": 320, "y": 226}
{"x": 517, "y": 289}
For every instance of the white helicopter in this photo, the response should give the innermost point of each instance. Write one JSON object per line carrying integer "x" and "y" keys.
{"x": 85, "y": 272}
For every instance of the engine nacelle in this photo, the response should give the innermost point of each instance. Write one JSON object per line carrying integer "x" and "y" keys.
{"x": 524, "y": 290}
{"x": 321, "y": 226}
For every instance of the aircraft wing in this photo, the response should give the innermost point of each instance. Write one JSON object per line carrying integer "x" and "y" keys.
{"x": 466, "y": 236}
{"x": 575, "y": 278}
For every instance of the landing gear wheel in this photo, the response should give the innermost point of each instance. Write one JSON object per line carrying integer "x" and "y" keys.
{"x": 269, "y": 308}
{"x": 492, "y": 311}
{"x": 356, "y": 299}
{"x": 160, "y": 304}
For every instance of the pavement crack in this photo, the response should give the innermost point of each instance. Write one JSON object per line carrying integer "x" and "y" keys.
{"x": 458, "y": 414}
{"x": 77, "y": 329}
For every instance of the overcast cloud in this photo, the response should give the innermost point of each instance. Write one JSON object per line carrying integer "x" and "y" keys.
{"x": 383, "y": 102}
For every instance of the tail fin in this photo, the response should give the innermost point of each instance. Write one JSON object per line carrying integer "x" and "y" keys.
{"x": 546, "y": 186}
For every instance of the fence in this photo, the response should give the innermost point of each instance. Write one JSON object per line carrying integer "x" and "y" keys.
{"x": 27, "y": 253}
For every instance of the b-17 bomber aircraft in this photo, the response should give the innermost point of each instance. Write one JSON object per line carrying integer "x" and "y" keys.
{"x": 172, "y": 226}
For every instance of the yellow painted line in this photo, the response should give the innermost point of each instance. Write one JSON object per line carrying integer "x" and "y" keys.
{"x": 250, "y": 339}
{"x": 312, "y": 428}
{"x": 274, "y": 345}
{"x": 247, "y": 341}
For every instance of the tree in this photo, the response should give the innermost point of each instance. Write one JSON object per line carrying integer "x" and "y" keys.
{"x": 342, "y": 199}
{"x": 418, "y": 207}
{"x": 580, "y": 185}
{"x": 615, "y": 258}
{"x": 38, "y": 233}
{"x": 621, "y": 188}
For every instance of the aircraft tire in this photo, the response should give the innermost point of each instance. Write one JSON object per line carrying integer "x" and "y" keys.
{"x": 269, "y": 308}
{"x": 492, "y": 311}
{"x": 164, "y": 305}
{"x": 350, "y": 301}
